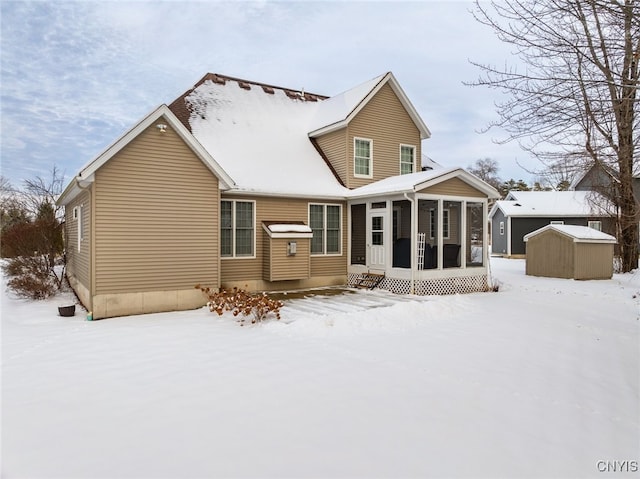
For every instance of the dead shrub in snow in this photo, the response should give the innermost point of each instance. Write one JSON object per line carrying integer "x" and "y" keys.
{"x": 32, "y": 277}
{"x": 242, "y": 304}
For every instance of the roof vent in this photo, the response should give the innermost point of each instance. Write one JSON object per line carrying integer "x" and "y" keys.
{"x": 218, "y": 80}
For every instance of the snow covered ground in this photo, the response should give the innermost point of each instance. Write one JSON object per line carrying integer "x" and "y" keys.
{"x": 538, "y": 380}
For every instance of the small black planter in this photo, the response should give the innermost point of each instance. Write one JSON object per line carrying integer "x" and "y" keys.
{"x": 67, "y": 310}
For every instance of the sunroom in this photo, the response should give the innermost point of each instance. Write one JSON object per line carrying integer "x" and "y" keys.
{"x": 423, "y": 233}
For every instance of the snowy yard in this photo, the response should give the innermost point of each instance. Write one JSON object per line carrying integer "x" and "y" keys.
{"x": 538, "y": 380}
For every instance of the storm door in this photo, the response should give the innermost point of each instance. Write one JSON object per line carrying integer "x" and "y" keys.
{"x": 376, "y": 240}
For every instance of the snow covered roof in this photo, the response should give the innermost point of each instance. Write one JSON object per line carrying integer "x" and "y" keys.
{"x": 260, "y": 138}
{"x": 262, "y": 135}
{"x": 287, "y": 230}
{"x": 417, "y": 181}
{"x": 335, "y": 112}
{"x": 579, "y": 234}
{"x": 552, "y": 204}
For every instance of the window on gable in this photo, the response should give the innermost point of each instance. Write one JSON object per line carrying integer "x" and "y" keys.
{"x": 362, "y": 153}
{"x": 407, "y": 159}
{"x": 325, "y": 222}
{"x": 237, "y": 229}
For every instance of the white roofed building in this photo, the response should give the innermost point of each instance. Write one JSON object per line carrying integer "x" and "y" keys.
{"x": 522, "y": 212}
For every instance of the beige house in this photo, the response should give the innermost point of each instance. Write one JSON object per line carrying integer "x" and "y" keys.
{"x": 239, "y": 183}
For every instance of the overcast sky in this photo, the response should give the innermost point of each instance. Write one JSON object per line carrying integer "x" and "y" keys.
{"x": 76, "y": 75}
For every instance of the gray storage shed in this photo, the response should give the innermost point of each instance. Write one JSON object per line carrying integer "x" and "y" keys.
{"x": 567, "y": 251}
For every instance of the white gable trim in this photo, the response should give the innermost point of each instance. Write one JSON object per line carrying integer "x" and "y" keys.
{"x": 463, "y": 175}
{"x": 87, "y": 173}
{"x": 599, "y": 238}
{"x": 408, "y": 106}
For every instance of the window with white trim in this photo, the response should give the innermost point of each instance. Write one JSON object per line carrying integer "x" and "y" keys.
{"x": 237, "y": 229}
{"x": 596, "y": 225}
{"x": 77, "y": 212}
{"x": 502, "y": 227}
{"x": 407, "y": 159}
{"x": 325, "y": 222}
{"x": 362, "y": 157}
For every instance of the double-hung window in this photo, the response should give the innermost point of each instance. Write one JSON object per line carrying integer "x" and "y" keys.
{"x": 325, "y": 222}
{"x": 362, "y": 157}
{"x": 237, "y": 229}
{"x": 407, "y": 159}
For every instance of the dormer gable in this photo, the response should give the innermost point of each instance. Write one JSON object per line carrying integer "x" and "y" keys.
{"x": 370, "y": 132}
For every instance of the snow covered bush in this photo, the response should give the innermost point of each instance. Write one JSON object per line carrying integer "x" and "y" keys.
{"x": 242, "y": 304}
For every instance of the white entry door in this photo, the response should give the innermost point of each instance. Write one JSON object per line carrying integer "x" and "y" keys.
{"x": 375, "y": 241}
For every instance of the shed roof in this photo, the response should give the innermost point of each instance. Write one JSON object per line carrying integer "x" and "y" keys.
{"x": 579, "y": 234}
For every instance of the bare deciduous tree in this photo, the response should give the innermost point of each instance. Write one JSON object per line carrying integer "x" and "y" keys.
{"x": 487, "y": 170}
{"x": 575, "y": 103}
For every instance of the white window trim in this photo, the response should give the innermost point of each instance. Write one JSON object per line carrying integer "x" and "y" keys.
{"x": 324, "y": 227}
{"x": 77, "y": 211}
{"x": 358, "y": 175}
{"x": 591, "y": 224}
{"x": 413, "y": 166}
{"x": 233, "y": 229}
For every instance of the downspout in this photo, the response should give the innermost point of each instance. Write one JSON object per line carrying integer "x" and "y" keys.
{"x": 414, "y": 235}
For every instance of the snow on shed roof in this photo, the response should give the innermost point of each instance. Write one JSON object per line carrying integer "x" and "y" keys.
{"x": 579, "y": 234}
{"x": 260, "y": 138}
{"x": 552, "y": 204}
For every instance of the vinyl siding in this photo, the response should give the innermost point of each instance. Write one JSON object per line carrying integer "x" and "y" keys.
{"x": 498, "y": 241}
{"x": 334, "y": 146}
{"x": 156, "y": 218}
{"x": 385, "y": 121}
{"x": 454, "y": 187}
{"x": 78, "y": 261}
{"x": 279, "y": 266}
{"x": 281, "y": 209}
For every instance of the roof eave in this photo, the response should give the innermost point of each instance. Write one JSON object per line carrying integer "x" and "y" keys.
{"x": 87, "y": 173}
{"x": 406, "y": 103}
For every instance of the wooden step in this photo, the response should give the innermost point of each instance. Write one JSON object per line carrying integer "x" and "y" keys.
{"x": 368, "y": 280}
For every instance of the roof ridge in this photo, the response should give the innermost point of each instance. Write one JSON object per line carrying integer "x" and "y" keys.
{"x": 180, "y": 108}
{"x": 221, "y": 79}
